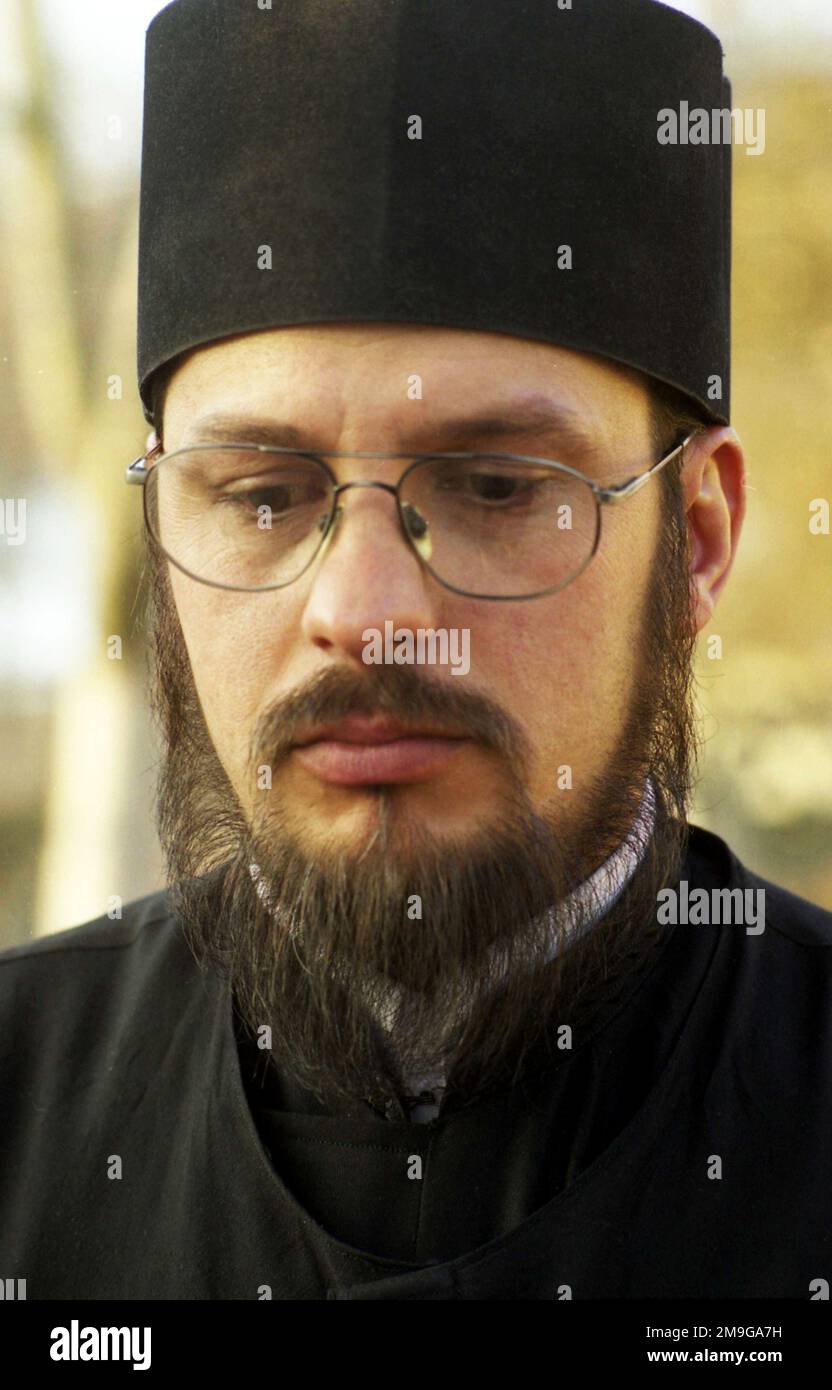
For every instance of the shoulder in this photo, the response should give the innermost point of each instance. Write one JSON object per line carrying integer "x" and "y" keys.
{"x": 98, "y": 972}
{"x": 93, "y": 1012}
{"x": 99, "y": 934}
{"x": 764, "y": 1023}
{"x": 771, "y": 983}
{"x": 789, "y": 917}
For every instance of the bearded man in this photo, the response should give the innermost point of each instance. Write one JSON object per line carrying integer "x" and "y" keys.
{"x": 445, "y": 998}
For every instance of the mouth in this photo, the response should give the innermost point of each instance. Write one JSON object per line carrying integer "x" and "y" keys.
{"x": 372, "y": 749}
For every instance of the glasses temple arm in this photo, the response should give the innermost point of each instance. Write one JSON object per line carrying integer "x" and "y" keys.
{"x": 634, "y": 485}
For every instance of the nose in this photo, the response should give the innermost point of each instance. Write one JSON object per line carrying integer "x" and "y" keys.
{"x": 366, "y": 574}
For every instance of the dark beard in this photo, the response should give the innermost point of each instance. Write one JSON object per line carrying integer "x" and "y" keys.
{"x": 314, "y": 961}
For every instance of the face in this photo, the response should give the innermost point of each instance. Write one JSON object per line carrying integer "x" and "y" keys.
{"x": 489, "y": 795}
{"x": 561, "y": 667}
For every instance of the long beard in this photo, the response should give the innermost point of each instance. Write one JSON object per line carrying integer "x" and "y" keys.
{"x": 417, "y": 953}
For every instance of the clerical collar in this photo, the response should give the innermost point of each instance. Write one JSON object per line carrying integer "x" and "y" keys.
{"x": 584, "y": 907}
{"x": 603, "y": 888}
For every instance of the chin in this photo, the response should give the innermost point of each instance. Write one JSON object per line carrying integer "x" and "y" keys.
{"x": 382, "y": 820}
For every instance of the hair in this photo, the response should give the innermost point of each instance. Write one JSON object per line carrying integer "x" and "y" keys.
{"x": 673, "y": 416}
{"x": 159, "y": 383}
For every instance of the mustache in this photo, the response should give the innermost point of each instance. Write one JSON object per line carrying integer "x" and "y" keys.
{"x": 404, "y": 693}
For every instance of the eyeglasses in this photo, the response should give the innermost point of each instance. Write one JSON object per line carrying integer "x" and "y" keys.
{"x": 254, "y": 517}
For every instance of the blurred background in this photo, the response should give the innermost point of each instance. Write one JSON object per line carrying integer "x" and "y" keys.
{"x": 78, "y": 753}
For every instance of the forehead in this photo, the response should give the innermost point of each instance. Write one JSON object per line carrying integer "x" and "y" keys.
{"x": 375, "y": 350}
{"x": 389, "y": 373}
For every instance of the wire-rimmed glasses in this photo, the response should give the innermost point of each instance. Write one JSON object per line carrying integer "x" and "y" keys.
{"x": 254, "y": 517}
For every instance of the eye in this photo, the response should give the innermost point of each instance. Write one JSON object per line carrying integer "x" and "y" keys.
{"x": 497, "y": 487}
{"x": 278, "y": 497}
{"x": 282, "y": 496}
{"x": 492, "y": 485}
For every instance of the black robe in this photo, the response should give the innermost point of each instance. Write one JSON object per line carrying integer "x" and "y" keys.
{"x": 680, "y": 1149}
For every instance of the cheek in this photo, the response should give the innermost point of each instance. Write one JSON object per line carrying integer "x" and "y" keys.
{"x": 233, "y": 642}
{"x": 565, "y": 666}
{"x": 558, "y": 651}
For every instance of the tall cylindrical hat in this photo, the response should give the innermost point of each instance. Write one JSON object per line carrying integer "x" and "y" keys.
{"x": 508, "y": 166}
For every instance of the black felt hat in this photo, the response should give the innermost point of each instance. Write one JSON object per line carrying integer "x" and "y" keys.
{"x": 483, "y": 164}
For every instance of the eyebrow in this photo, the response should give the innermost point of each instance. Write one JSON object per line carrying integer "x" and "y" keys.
{"x": 534, "y": 417}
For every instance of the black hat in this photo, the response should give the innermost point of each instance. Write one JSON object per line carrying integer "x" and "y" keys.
{"x": 483, "y": 164}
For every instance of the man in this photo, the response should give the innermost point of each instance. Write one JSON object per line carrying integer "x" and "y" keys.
{"x": 446, "y": 999}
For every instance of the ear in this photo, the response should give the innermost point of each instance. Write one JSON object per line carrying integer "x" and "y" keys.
{"x": 152, "y": 441}
{"x": 713, "y": 484}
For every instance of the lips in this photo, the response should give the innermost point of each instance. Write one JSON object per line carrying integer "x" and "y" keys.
{"x": 373, "y": 749}
{"x": 369, "y": 729}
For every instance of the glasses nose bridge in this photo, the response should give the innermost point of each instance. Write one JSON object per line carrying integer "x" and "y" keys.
{"x": 365, "y": 483}
{"x": 337, "y": 511}
{"x": 413, "y": 528}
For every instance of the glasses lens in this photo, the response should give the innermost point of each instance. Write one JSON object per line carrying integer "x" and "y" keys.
{"x": 500, "y": 529}
{"x": 239, "y": 517}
